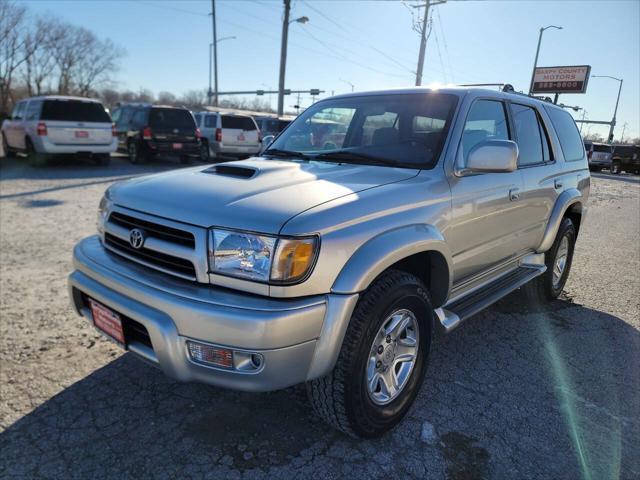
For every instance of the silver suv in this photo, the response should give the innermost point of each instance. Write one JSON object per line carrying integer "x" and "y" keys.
{"x": 337, "y": 256}
{"x": 227, "y": 135}
{"x": 46, "y": 126}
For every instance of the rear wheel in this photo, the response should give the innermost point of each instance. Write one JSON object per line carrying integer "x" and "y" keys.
{"x": 383, "y": 359}
{"x": 34, "y": 158}
{"x": 615, "y": 168}
{"x": 204, "y": 151}
{"x": 134, "y": 153}
{"x": 549, "y": 285}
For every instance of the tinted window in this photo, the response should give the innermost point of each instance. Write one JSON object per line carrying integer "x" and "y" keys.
{"x": 568, "y": 134}
{"x": 210, "y": 121}
{"x": 18, "y": 111}
{"x": 270, "y": 126}
{"x": 374, "y": 128}
{"x": 239, "y": 123}
{"x": 125, "y": 117}
{"x": 139, "y": 118}
{"x": 531, "y": 137}
{"x": 171, "y": 118}
{"x": 33, "y": 110}
{"x": 115, "y": 115}
{"x": 487, "y": 120}
{"x": 198, "y": 118}
{"x": 74, "y": 111}
{"x": 602, "y": 148}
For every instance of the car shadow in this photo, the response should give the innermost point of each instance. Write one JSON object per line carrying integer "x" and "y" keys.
{"x": 510, "y": 394}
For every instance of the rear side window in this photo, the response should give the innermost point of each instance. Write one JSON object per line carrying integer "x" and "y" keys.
{"x": 74, "y": 111}
{"x": 487, "y": 120}
{"x": 198, "y": 118}
{"x": 238, "y": 123}
{"x": 210, "y": 121}
{"x": 531, "y": 137}
{"x": 171, "y": 118}
{"x": 568, "y": 134}
{"x": 33, "y": 110}
{"x": 18, "y": 111}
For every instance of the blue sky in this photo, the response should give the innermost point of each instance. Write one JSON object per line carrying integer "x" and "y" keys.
{"x": 370, "y": 44}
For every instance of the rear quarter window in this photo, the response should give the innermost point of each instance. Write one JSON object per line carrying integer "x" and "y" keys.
{"x": 238, "y": 123}
{"x": 74, "y": 111}
{"x": 568, "y": 134}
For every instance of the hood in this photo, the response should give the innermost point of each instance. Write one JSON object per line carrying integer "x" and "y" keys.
{"x": 254, "y": 194}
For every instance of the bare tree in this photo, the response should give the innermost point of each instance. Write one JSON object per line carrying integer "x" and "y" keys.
{"x": 109, "y": 97}
{"x": 194, "y": 98}
{"x": 12, "y": 44}
{"x": 166, "y": 98}
{"x": 40, "y": 62}
{"x": 97, "y": 66}
{"x": 144, "y": 96}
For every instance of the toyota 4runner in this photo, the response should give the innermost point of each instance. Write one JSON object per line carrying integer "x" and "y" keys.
{"x": 335, "y": 263}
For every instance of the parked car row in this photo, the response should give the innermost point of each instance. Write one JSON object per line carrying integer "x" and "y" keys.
{"x": 616, "y": 158}
{"x": 47, "y": 126}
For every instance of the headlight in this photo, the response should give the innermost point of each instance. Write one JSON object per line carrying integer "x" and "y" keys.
{"x": 103, "y": 210}
{"x": 261, "y": 258}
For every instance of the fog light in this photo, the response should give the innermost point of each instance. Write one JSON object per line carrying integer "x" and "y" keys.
{"x": 210, "y": 355}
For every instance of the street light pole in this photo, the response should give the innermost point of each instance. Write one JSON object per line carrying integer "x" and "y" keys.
{"x": 212, "y": 46}
{"x": 215, "y": 55}
{"x": 615, "y": 111}
{"x": 283, "y": 51}
{"x": 535, "y": 61}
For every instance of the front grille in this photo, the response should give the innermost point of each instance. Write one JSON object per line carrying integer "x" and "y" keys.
{"x": 157, "y": 230}
{"x": 152, "y": 258}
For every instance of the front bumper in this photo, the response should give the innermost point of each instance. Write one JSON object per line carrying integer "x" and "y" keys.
{"x": 299, "y": 339}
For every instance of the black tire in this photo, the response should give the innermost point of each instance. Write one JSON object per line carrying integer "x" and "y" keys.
{"x": 135, "y": 154}
{"x": 543, "y": 289}
{"x": 615, "y": 168}
{"x": 341, "y": 398}
{"x": 185, "y": 159}
{"x": 102, "y": 159}
{"x": 35, "y": 159}
{"x": 8, "y": 153}
{"x": 205, "y": 155}
{"x": 595, "y": 169}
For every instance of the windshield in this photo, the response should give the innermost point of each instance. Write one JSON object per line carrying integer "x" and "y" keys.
{"x": 405, "y": 130}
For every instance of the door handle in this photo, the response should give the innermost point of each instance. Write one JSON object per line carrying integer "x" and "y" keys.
{"x": 557, "y": 183}
{"x": 514, "y": 194}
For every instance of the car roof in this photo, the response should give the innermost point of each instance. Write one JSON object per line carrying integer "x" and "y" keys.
{"x": 63, "y": 97}
{"x": 458, "y": 90}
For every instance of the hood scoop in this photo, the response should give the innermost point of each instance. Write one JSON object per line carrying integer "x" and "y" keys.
{"x": 231, "y": 171}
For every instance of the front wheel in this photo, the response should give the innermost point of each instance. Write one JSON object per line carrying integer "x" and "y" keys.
{"x": 549, "y": 285}
{"x": 383, "y": 359}
{"x": 134, "y": 153}
{"x": 35, "y": 158}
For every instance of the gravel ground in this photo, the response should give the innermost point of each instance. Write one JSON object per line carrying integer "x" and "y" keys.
{"x": 511, "y": 394}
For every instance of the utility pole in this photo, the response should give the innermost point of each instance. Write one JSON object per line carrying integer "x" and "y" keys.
{"x": 283, "y": 55}
{"x": 584, "y": 114}
{"x": 215, "y": 56}
{"x": 624, "y": 127}
{"x": 423, "y": 36}
{"x": 615, "y": 111}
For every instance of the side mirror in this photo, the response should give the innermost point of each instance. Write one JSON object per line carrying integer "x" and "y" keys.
{"x": 266, "y": 141}
{"x": 493, "y": 156}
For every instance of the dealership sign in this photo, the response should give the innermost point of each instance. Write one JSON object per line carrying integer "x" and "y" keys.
{"x": 561, "y": 79}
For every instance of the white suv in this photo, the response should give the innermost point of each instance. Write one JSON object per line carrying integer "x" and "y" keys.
{"x": 227, "y": 135}
{"x": 45, "y": 126}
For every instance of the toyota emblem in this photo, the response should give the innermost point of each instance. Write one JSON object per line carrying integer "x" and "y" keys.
{"x": 136, "y": 238}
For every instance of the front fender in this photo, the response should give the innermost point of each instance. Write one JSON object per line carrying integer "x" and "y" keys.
{"x": 563, "y": 203}
{"x": 388, "y": 248}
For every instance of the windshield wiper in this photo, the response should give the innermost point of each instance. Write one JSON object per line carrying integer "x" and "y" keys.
{"x": 356, "y": 157}
{"x": 276, "y": 152}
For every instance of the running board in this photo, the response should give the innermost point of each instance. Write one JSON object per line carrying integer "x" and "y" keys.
{"x": 454, "y": 313}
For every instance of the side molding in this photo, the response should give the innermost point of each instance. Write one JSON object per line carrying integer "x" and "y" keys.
{"x": 379, "y": 253}
{"x": 563, "y": 203}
